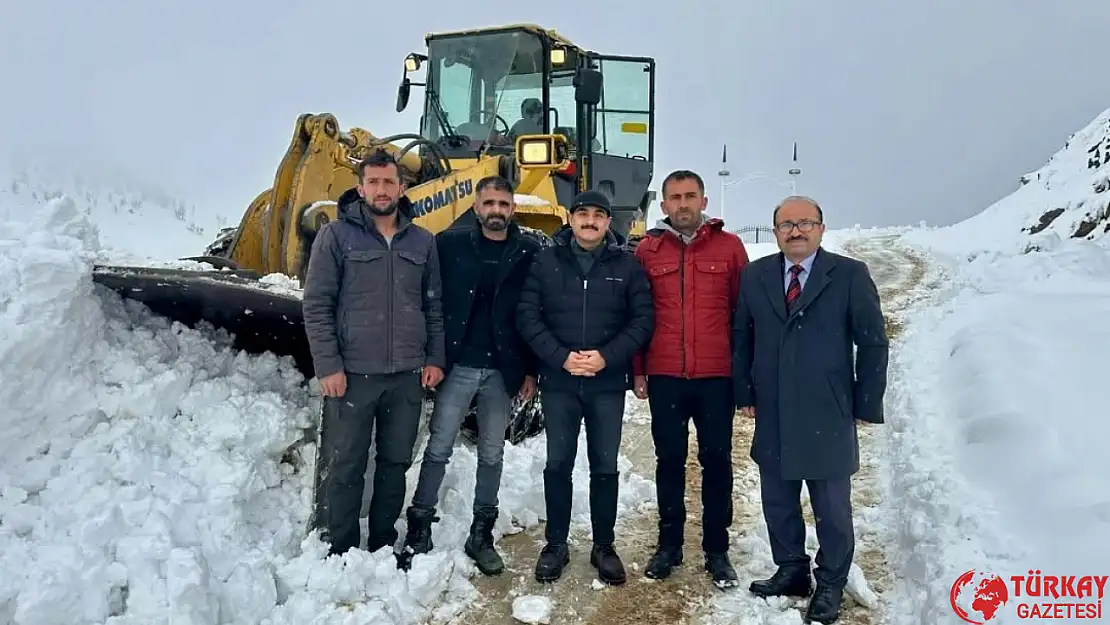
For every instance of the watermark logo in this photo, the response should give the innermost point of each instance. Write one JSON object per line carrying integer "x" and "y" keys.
{"x": 977, "y": 596}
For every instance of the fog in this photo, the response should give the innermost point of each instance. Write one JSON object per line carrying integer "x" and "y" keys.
{"x": 902, "y": 111}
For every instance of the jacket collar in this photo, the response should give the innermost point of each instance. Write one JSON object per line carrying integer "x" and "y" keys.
{"x": 353, "y": 209}
{"x": 775, "y": 288}
{"x": 663, "y": 227}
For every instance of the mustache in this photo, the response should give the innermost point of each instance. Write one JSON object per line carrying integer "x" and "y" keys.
{"x": 797, "y": 238}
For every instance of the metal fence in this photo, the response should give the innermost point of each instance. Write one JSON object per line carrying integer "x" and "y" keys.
{"x": 756, "y": 234}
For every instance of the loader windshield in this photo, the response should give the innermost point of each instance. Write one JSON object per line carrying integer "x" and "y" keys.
{"x": 487, "y": 86}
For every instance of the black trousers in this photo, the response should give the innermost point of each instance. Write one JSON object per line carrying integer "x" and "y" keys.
{"x": 832, "y": 507}
{"x": 392, "y": 404}
{"x": 674, "y": 402}
{"x": 564, "y": 413}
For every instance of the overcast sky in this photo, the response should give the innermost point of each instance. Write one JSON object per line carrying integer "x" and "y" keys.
{"x": 903, "y": 111}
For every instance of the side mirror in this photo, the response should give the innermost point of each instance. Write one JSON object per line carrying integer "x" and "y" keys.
{"x": 587, "y": 86}
{"x": 403, "y": 94}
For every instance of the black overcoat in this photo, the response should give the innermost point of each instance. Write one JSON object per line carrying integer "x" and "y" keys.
{"x": 798, "y": 370}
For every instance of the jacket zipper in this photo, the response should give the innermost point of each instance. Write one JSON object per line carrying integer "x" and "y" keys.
{"x": 585, "y": 286}
{"x": 585, "y": 291}
{"x": 389, "y": 315}
{"x": 682, "y": 300}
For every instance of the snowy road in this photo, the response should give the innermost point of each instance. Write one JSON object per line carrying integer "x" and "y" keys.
{"x": 688, "y": 597}
{"x": 897, "y": 273}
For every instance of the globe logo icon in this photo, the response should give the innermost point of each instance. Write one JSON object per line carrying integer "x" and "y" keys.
{"x": 987, "y": 593}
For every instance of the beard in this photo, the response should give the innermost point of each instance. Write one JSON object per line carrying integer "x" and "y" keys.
{"x": 382, "y": 212}
{"x": 495, "y": 223}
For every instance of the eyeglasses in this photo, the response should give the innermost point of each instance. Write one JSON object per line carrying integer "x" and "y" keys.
{"x": 804, "y": 226}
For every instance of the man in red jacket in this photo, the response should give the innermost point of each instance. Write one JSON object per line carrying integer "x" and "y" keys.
{"x": 685, "y": 371}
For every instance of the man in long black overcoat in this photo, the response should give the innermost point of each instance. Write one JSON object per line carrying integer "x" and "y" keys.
{"x": 799, "y": 314}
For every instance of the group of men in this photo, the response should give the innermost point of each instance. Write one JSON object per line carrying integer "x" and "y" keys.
{"x": 686, "y": 322}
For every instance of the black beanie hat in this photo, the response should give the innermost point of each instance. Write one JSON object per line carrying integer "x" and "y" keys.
{"x": 592, "y": 198}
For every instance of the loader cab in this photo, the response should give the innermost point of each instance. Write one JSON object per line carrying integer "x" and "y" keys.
{"x": 485, "y": 88}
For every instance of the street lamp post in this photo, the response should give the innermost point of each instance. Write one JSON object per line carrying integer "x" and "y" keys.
{"x": 794, "y": 171}
{"x": 724, "y": 175}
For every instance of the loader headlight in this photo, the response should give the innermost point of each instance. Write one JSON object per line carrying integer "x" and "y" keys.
{"x": 537, "y": 152}
{"x": 541, "y": 152}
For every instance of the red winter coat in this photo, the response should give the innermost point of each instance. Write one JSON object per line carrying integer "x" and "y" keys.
{"x": 694, "y": 288}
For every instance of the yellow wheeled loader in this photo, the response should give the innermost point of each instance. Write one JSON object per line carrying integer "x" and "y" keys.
{"x": 520, "y": 101}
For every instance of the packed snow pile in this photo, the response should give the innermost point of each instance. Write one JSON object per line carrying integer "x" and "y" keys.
{"x": 532, "y": 609}
{"x": 998, "y": 428}
{"x": 146, "y": 471}
{"x": 997, "y": 421}
{"x": 136, "y": 220}
{"x": 1069, "y": 197}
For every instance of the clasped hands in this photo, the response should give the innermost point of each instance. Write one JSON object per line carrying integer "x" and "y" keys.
{"x": 585, "y": 363}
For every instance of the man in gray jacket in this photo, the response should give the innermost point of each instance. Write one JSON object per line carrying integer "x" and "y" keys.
{"x": 374, "y": 321}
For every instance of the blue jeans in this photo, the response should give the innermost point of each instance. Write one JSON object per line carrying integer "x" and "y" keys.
{"x": 451, "y": 405}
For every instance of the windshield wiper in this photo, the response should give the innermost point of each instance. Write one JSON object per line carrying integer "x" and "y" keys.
{"x": 444, "y": 125}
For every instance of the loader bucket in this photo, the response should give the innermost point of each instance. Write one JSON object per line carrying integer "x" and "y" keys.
{"x": 260, "y": 319}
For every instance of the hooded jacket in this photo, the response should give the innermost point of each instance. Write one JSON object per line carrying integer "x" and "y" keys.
{"x": 606, "y": 308}
{"x": 373, "y": 306}
{"x": 695, "y": 282}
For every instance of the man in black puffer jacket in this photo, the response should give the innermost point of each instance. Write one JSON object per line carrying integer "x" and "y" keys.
{"x": 585, "y": 309}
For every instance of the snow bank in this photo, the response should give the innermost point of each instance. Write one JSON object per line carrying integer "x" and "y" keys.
{"x": 833, "y": 239}
{"x": 997, "y": 421}
{"x": 1068, "y": 197}
{"x": 121, "y": 209}
{"x": 145, "y": 475}
{"x": 997, "y": 424}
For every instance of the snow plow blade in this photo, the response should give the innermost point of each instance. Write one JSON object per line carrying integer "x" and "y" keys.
{"x": 261, "y": 319}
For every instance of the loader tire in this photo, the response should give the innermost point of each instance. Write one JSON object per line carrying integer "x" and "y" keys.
{"x": 525, "y": 421}
{"x": 633, "y": 241}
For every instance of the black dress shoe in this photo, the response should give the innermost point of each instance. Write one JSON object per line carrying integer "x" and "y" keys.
{"x": 721, "y": 570}
{"x": 553, "y": 559}
{"x": 610, "y": 569}
{"x": 786, "y": 582}
{"x": 663, "y": 563}
{"x": 824, "y": 606}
